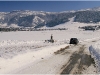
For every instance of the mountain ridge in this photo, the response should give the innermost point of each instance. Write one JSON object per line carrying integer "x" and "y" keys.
{"x": 38, "y": 19}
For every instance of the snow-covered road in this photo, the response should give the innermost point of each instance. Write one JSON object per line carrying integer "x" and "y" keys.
{"x": 68, "y": 59}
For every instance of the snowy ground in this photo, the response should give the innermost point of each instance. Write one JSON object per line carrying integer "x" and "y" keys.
{"x": 95, "y": 54}
{"x": 25, "y": 52}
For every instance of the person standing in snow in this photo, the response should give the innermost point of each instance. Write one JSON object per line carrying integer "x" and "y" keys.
{"x": 51, "y": 37}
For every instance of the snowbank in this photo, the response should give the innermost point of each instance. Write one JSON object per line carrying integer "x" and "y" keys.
{"x": 95, "y": 54}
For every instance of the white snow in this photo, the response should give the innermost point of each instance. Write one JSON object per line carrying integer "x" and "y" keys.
{"x": 3, "y": 25}
{"x": 14, "y": 25}
{"x": 37, "y": 19}
{"x": 28, "y": 12}
{"x": 95, "y": 54}
{"x": 72, "y": 11}
{"x": 22, "y": 60}
{"x": 22, "y": 49}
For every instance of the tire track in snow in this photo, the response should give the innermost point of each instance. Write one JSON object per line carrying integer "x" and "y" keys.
{"x": 78, "y": 62}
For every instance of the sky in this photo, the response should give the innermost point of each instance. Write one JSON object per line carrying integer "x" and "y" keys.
{"x": 49, "y": 6}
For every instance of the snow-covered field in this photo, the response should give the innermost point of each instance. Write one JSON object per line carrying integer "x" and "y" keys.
{"x": 21, "y": 49}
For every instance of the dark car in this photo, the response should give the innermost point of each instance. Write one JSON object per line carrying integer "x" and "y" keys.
{"x": 74, "y": 41}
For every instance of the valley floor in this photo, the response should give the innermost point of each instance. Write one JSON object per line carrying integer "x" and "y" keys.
{"x": 26, "y": 52}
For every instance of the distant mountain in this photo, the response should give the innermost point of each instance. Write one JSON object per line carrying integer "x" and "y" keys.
{"x": 37, "y": 19}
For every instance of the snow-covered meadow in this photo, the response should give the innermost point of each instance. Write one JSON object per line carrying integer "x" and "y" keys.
{"x": 21, "y": 48}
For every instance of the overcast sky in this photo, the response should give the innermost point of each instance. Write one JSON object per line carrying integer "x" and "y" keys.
{"x": 50, "y": 6}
